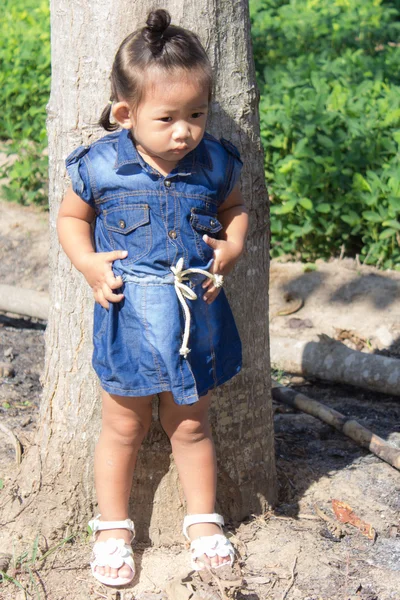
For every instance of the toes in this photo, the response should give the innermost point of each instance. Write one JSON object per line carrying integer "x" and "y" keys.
{"x": 125, "y": 572}
{"x": 107, "y": 571}
{"x": 114, "y": 573}
{"x": 215, "y": 562}
{"x": 100, "y": 570}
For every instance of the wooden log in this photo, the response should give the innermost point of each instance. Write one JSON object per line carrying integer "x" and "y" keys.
{"x": 347, "y": 425}
{"x": 333, "y": 361}
{"x": 26, "y": 302}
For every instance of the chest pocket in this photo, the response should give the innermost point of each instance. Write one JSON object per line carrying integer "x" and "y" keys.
{"x": 203, "y": 223}
{"x": 129, "y": 229}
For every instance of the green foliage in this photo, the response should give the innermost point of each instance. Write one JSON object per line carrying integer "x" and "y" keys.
{"x": 330, "y": 125}
{"x": 24, "y": 92}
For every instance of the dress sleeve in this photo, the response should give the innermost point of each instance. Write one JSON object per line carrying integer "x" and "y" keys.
{"x": 233, "y": 169}
{"x": 78, "y": 172}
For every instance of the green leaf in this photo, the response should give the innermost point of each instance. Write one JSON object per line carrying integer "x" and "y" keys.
{"x": 371, "y": 216}
{"x": 387, "y": 233}
{"x": 306, "y": 203}
{"x": 285, "y": 208}
{"x": 288, "y": 166}
{"x": 394, "y": 203}
{"x": 392, "y": 223}
{"x": 323, "y": 208}
{"x": 360, "y": 183}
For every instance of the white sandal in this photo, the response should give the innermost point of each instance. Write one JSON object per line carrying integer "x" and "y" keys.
{"x": 210, "y": 545}
{"x": 113, "y": 552}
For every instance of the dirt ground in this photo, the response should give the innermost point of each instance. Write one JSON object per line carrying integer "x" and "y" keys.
{"x": 289, "y": 553}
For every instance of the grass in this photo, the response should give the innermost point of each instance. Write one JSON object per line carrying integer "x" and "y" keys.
{"x": 27, "y": 564}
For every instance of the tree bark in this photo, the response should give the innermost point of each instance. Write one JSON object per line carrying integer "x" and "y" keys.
{"x": 56, "y": 478}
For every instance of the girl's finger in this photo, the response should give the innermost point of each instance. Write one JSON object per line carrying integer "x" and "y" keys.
{"x": 210, "y": 297}
{"x": 116, "y": 255}
{"x": 206, "y": 284}
{"x": 99, "y": 297}
{"x": 209, "y": 293}
{"x": 114, "y": 282}
{"x": 109, "y": 294}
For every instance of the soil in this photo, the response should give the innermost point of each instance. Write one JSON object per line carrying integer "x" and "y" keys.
{"x": 290, "y": 553}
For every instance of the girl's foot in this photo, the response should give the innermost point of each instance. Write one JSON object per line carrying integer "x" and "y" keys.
{"x": 125, "y": 571}
{"x": 199, "y": 530}
{"x": 112, "y": 560}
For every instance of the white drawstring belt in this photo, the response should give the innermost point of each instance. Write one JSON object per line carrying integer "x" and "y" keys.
{"x": 184, "y": 291}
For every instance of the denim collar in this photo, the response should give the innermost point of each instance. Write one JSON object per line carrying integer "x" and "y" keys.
{"x": 127, "y": 154}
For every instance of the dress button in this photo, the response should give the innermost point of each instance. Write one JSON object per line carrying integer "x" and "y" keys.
{"x": 122, "y": 224}
{"x": 167, "y": 183}
{"x": 212, "y": 222}
{"x": 172, "y": 234}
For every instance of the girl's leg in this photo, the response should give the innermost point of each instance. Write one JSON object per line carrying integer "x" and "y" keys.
{"x": 125, "y": 423}
{"x": 193, "y": 448}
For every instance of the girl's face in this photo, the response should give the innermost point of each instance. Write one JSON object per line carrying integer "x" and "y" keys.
{"x": 170, "y": 120}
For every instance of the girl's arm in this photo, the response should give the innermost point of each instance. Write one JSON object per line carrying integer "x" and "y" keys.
{"x": 233, "y": 216}
{"x": 74, "y": 232}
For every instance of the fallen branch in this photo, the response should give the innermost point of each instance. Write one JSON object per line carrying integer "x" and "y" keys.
{"x": 22, "y": 301}
{"x": 333, "y": 361}
{"x": 361, "y": 435}
{"x": 292, "y": 578}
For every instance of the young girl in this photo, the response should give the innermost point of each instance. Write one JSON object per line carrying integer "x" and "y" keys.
{"x": 169, "y": 224}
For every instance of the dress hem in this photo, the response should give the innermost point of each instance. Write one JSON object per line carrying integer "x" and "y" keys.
{"x": 165, "y": 388}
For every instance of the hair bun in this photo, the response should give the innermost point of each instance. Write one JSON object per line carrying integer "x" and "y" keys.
{"x": 157, "y": 22}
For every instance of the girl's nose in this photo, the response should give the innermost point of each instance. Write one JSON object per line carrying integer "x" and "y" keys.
{"x": 181, "y": 131}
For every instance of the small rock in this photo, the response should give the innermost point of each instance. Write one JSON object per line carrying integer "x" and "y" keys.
{"x": 6, "y": 370}
{"x": 297, "y": 380}
{"x": 8, "y": 353}
{"x": 5, "y": 560}
{"x": 393, "y": 531}
{"x": 295, "y": 323}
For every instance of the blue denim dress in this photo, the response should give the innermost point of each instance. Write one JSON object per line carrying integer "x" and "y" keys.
{"x": 158, "y": 220}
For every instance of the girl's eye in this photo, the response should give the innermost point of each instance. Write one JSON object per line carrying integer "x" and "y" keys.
{"x": 165, "y": 119}
{"x": 197, "y": 115}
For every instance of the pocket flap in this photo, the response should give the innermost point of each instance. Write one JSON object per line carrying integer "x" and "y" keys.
{"x": 204, "y": 222}
{"x": 126, "y": 219}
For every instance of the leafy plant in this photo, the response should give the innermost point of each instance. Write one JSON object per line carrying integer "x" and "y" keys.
{"x": 24, "y": 92}
{"x": 330, "y": 125}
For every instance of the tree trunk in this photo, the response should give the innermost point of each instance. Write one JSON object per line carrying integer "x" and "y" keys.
{"x": 56, "y": 476}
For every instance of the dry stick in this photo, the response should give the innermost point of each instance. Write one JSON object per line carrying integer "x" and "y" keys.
{"x": 291, "y": 582}
{"x": 15, "y": 441}
{"x": 361, "y": 435}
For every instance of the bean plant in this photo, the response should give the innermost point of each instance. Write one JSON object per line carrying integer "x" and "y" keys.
{"x": 330, "y": 125}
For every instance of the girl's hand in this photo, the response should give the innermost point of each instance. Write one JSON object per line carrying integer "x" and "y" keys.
{"x": 226, "y": 255}
{"x": 97, "y": 270}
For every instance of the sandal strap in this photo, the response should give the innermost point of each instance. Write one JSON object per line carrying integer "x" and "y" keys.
{"x": 211, "y": 545}
{"x": 207, "y": 518}
{"x": 97, "y": 525}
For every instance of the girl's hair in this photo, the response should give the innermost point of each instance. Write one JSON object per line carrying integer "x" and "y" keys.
{"x": 158, "y": 45}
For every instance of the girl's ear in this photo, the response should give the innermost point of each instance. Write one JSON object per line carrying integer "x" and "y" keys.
{"x": 122, "y": 114}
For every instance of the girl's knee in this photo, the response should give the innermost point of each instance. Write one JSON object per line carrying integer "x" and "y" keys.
{"x": 188, "y": 431}
{"x": 126, "y": 430}
{"x": 126, "y": 420}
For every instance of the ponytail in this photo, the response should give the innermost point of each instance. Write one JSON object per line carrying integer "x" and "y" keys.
{"x": 104, "y": 120}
